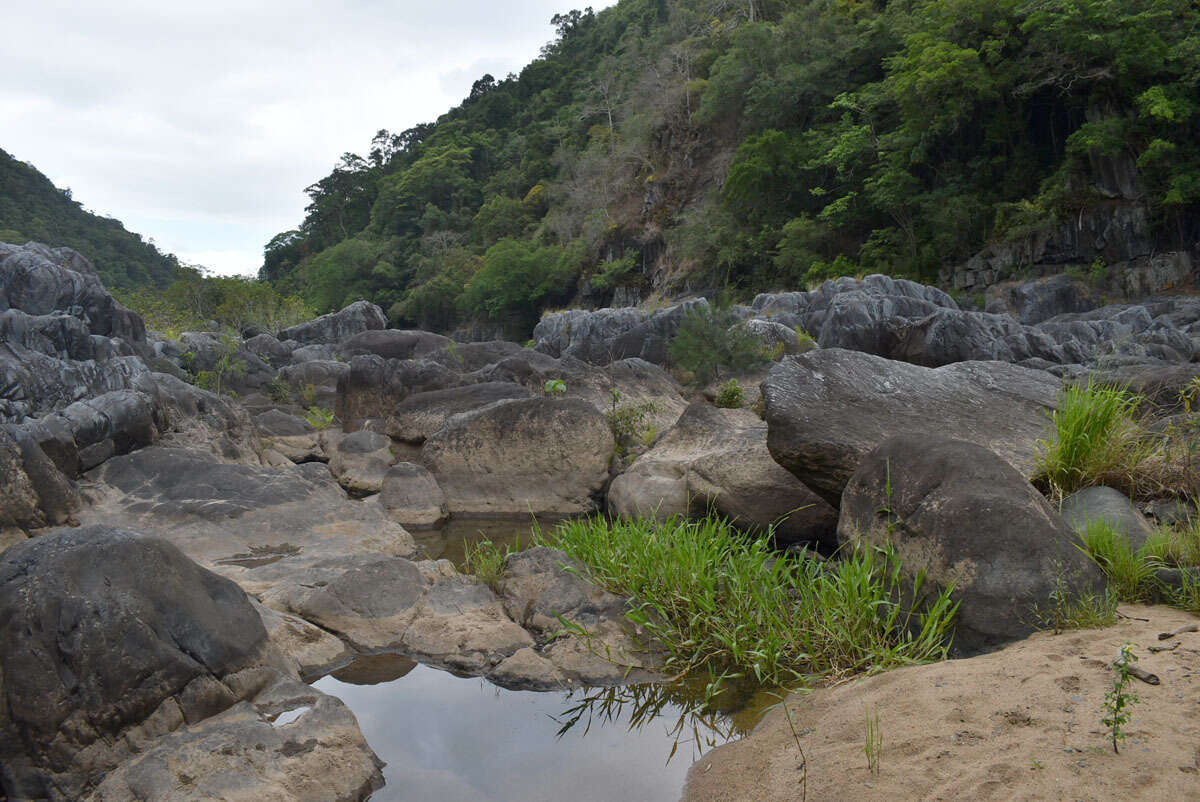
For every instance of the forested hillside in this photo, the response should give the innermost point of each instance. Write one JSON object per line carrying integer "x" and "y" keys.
{"x": 662, "y": 145}
{"x": 32, "y": 208}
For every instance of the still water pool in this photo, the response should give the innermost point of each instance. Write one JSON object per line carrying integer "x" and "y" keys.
{"x": 448, "y": 739}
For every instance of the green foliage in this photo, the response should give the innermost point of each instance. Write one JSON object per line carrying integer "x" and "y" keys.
{"x": 1070, "y": 610}
{"x": 708, "y": 341}
{"x": 319, "y": 418}
{"x": 518, "y": 279}
{"x": 873, "y": 742}
{"x": 555, "y": 387}
{"x": 32, "y": 208}
{"x": 1118, "y": 700}
{"x": 1096, "y": 440}
{"x": 278, "y": 390}
{"x": 720, "y": 602}
{"x": 629, "y": 422}
{"x": 193, "y": 299}
{"x": 227, "y": 366}
{"x": 1130, "y": 573}
{"x": 764, "y": 145}
{"x": 730, "y": 395}
{"x": 485, "y": 560}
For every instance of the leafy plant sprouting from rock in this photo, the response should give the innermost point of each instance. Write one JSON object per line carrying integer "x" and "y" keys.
{"x": 730, "y": 396}
{"x": 319, "y": 418}
{"x": 1097, "y": 440}
{"x": 629, "y": 422}
{"x": 278, "y": 390}
{"x": 555, "y": 387}
{"x": 227, "y": 366}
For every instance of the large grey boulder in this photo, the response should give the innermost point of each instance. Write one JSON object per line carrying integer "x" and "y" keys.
{"x": 606, "y": 335}
{"x": 420, "y": 415}
{"x": 537, "y": 456}
{"x": 717, "y": 460}
{"x": 360, "y": 460}
{"x": 40, "y": 280}
{"x": 107, "y": 639}
{"x": 1032, "y": 302}
{"x": 1111, "y": 506}
{"x": 33, "y": 491}
{"x": 393, "y": 344}
{"x": 966, "y": 518}
{"x": 337, "y": 326}
{"x": 410, "y": 496}
{"x": 827, "y": 409}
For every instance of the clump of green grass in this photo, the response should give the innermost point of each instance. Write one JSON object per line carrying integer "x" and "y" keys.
{"x": 1097, "y": 441}
{"x": 717, "y": 601}
{"x": 1130, "y": 573}
{"x": 485, "y": 560}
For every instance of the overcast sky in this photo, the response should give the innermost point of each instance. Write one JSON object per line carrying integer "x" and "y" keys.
{"x": 199, "y": 124}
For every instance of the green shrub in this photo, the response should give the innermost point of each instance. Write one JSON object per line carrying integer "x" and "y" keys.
{"x": 278, "y": 390}
{"x": 730, "y": 395}
{"x": 629, "y": 422}
{"x": 319, "y": 418}
{"x": 1097, "y": 440}
{"x": 714, "y": 599}
{"x": 708, "y": 341}
{"x": 555, "y": 387}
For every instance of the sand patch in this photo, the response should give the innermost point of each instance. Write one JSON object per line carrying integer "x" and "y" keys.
{"x": 1022, "y": 723}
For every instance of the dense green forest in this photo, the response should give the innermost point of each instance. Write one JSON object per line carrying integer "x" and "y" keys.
{"x": 758, "y": 144}
{"x": 32, "y": 208}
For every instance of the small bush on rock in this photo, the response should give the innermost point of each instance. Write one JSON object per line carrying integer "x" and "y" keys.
{"x": 319, "y": 418}
{"x": 708, "y": 341}
{"x": 730, "y": 396}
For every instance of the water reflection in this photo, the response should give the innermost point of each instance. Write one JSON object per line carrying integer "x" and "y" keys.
{"x": 450, "y": 542}
{"x": 446, "y": 738}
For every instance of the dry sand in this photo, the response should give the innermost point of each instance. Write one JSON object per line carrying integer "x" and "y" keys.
{"x": 1020, "y": 723}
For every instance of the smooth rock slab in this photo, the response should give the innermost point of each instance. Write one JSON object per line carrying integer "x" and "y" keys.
{"x": 1109, "y": 505}
{"x": 257, "y": 526}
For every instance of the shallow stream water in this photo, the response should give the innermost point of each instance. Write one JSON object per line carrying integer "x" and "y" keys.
{"x": 451, "y": 739}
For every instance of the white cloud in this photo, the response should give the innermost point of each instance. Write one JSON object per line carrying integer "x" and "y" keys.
{"x": 215, "y": 116}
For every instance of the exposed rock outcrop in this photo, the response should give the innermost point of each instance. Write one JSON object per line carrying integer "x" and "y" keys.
{"x": 966, "y": 518}
{"x": 538, "y": 456}
{"x": 717, "y": 460}
{"x": 829, "y": 408}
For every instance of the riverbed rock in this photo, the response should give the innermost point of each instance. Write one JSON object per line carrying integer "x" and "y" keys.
{"x": 420, "y": 415}
{"x": 360, "y": 460}
{"x": 290, "y": 741}
{"x": 312, "y": 651}
{"x": 107, "y": 640}
{"x": 825, "y": 410}
{"x": 257, "y": 526}
{"x": 411, "y": 497}
{"x": 539, "y": 456}
{"x": 393, "y": 344}
{"x": 967, "y": 518}
{"x": 338, "y": 326}
{"x": 716, "y": 460}
{"x": 1109, "y": 505}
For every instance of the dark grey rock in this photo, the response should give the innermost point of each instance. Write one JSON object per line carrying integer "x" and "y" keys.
{"x": 967, "y": 518}
{"x": 1109, "y": 505}
{"x": 827, "y": 409}
{"x": 338, "y": 326}
{"x": 420, "y": 415}
{"x": 102, "y": 630}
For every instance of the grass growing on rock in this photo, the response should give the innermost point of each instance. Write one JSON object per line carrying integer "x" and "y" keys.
{"x": 718, "y": 601}
{"x": 1097, "y": 440}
